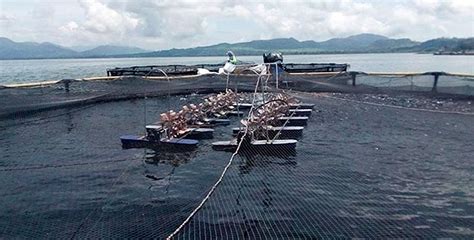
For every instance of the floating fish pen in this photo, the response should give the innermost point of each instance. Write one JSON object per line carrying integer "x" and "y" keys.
{"x": 269, "y": 114}
{"x": 314, "y": 67}
{"x": 183, "y": 70}
{"x": 171, "y": 70}
{"x": 216, "y": 159}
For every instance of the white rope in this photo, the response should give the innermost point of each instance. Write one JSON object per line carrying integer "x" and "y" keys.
{"x": 214, "y": 187}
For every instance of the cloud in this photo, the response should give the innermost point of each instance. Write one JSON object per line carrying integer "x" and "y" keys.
{"x": 6, "y": 18}
{"x": 70, "y": 27}
{"x": 160, "y": 24}
{"x": 171, "y": 19}
{"x": 102, "y": 19}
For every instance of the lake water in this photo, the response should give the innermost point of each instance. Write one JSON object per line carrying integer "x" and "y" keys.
{"x": 20, "y": 71}
{"x": 361, "y": 171}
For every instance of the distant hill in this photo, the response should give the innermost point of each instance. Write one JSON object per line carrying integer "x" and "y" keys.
{"x": 21, "y": 50}
{"x": 31, "y": 50}
{"x": 110, "y": 50}
{"x": 357, "y": 43}
{"x": 391, "y": 45}
{"x": 445, "y": 44}
{"x": 361, "y": 43}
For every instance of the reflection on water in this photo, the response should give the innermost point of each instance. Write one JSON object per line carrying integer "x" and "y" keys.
{"x": 250, "y": 161}
{"x": 172, "y": 158}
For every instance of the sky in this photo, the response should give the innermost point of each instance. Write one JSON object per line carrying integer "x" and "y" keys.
{"x": 164, "y": 24}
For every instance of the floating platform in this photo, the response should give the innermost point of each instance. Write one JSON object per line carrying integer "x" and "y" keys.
{"x": 314, "y": 67}
{"x": 302, "y": 106}
{"x": 293, "y": 121}
{"x": 235, "y": 113}
{"x": 182, "y": 70}
{"x": 173, "y": 144}
{"x": 243, "y": 105}
{"x": 199, "y": 133}
{"x": 275, "y": 146}
{"x": 227, "y": 146}
{"x": 291, "y": 132}
{"x": 278, "y": 145}
{"x": 156, "y": 131}
{"x": 217, "y": 121}
{"x": 300, "y": 112}
{"x": 170, "y": 70}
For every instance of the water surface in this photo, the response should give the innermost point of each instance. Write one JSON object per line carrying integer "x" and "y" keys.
{"x": 20, "y": 71}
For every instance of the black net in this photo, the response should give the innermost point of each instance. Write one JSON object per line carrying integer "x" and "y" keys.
{"x": 356, "y": 173}
{"x": 363, "y": 167}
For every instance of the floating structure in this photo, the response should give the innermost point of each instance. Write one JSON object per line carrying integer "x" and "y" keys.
{"x": 273, "y": 123}
{"x": 183, "y": 70}
{"x": 168, "y": 144}
{"x": 300, "y": 112}
{"x": 185, "y": 127}
{"x": 269, "y": 126}
{"x": 276, "y": 132}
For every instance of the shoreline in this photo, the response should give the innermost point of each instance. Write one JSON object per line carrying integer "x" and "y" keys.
{"x": 222, "y": 56}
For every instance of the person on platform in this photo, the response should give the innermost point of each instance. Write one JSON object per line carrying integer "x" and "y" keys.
{"x": 232, "y": 59}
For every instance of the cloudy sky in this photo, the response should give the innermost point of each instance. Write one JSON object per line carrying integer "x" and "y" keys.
{"x": 163, "y": 24}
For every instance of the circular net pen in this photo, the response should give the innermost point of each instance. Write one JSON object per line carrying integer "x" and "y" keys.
{"x": 386, "y": 158}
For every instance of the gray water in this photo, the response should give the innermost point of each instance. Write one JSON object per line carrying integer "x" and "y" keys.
{"x": 22, "y": 71}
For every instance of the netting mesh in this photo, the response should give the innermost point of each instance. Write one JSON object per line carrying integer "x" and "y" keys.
{"x": 341, "y": 184}
{"x": 359, "y": 170}
{"x": 16, "y": 100}
{"x": 420, "y": 83}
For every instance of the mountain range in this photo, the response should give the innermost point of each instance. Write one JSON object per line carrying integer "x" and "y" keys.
{"x": 361, "y": 43}
{"x": 31, "y": 50}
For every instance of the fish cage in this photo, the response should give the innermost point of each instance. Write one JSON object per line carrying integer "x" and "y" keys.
{"x": 370, "y": 156}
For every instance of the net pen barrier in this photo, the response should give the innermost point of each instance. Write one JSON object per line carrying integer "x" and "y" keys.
{"x": 359, "y": 170}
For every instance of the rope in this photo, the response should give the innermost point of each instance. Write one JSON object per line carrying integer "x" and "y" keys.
{"x": 219, "y": 180}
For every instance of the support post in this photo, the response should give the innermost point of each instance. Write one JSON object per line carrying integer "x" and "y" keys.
{"x": 353, "y": 76}
{"x": 66, "y": 83}
{"x": 435, "y": 82}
